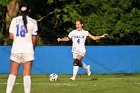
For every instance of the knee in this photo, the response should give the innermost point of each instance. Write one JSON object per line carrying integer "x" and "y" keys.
{"x": 26, "y": 73}
{"x": 14, "y": 73}
{"x": 77, "y": 62}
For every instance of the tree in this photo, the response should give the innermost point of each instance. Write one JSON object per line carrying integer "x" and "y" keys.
{"x": 3, "y": 4}
{"x": 118, "y": 18}
{"x": 56, "y": 18}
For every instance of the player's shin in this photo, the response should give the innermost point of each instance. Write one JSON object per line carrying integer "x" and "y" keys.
{"x": 87, "y": 68}
{"x": 27, "y": 84}
{"x": 75, "y": 68}
{"x": 10, "y": 83}
{"x": 84, "y": 65}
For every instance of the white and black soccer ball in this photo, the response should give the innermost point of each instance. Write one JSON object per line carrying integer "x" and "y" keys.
{"x": 53, "y": 77}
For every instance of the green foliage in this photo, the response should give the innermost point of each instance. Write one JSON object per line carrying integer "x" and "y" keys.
{"x": 118, "y": 18}
{"x": 3, "y": 4}
{"x": 56, "y": 18}
{"x": 1, "y": 36}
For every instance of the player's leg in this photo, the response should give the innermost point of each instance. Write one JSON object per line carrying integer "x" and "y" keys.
{"x": 27, "y": 65}
{"x": 77, "y": 63}
{"x": 87, "y": 68}
{"x": 12, "y": 76}
{"x": 82, "y": 64}
{"x": 75, "y": 69}
{"x": 27, "y": 79}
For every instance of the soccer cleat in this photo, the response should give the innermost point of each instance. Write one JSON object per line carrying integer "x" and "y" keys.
{"x": 72, "y": 78}
{"x": 88, "y": 70}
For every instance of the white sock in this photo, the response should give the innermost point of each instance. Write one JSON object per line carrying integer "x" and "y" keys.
{"x": 27, "y": 84}
{"x": 84, "y": 66}
{"x": 10, "y": 83}
{"x": 75, "y": 70}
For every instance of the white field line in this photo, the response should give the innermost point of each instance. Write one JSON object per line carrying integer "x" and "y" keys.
{"x": 56, "y": 84}
{"x": 63, "y": 84}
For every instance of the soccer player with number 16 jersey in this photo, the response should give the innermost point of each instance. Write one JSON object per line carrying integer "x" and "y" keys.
{"x": 23, "y": 31}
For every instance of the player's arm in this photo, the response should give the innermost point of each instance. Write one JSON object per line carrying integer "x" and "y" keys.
{"x": 63, "y": 39}
{"x": 34, "y": 36}
{"x": 11, "y": 36}
{"x": 12, "y": 28}
{"x": 97, "y": 37}
{"x": 34, "y": 41}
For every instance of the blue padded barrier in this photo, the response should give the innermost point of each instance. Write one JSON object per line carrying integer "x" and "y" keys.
{"x": 58, "y": 59}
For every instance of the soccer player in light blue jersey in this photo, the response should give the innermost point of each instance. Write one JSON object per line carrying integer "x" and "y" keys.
{"x": 23, "y": 30}
{"x": 78, "y": 37}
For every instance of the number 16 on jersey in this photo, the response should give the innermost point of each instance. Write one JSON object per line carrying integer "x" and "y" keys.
{"x": 21, "y": 30}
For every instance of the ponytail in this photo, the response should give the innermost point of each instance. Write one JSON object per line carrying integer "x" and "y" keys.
{"x": 24, "y": 8}
{"x": 24, "y": 18}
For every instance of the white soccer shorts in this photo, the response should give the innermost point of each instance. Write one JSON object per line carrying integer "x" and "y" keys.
{"x": 76, "y": 54}
{"x": 22, "y": 57}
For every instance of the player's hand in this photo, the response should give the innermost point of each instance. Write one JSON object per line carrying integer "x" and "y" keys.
{"x": 58, "y": 39}
{"x": 104, "y": 35}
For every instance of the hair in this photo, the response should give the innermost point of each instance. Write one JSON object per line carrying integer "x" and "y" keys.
{"x": 80, "y": 21}
{"x": 24, "y": 9}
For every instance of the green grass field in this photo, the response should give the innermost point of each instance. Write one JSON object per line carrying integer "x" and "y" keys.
{"x": 108, "y": 83}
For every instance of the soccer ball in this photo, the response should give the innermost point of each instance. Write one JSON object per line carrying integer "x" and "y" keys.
{"x": 53, "y": 77}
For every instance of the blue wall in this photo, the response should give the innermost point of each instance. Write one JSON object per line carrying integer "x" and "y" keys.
{"x": 58, "y": 59}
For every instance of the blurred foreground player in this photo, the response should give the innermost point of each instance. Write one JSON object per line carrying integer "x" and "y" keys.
{"x": 23, "y": 30}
